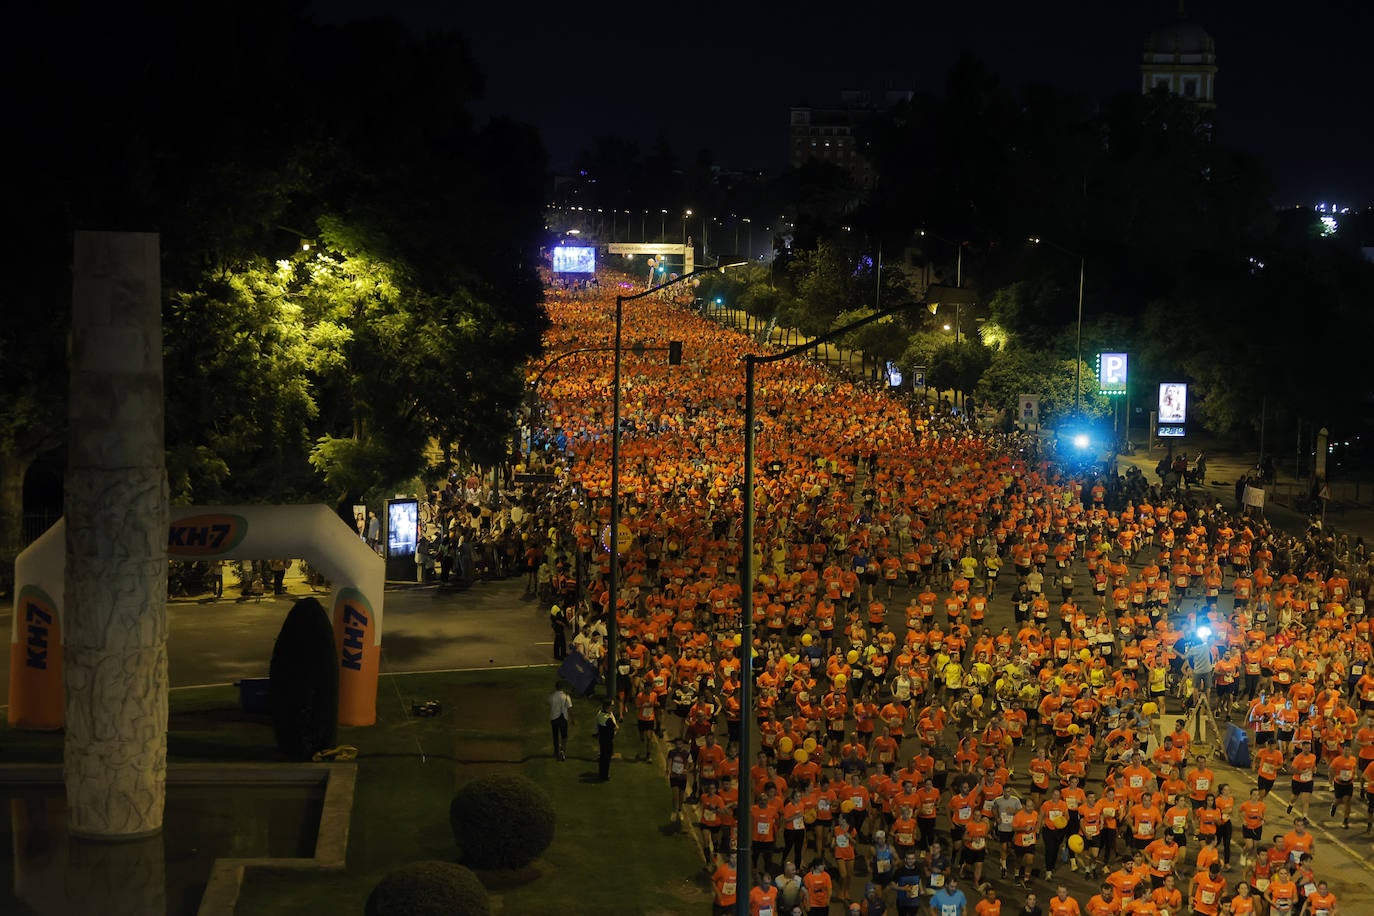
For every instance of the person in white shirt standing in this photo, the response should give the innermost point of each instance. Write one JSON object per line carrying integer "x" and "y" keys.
{"x": 560, "y": 717}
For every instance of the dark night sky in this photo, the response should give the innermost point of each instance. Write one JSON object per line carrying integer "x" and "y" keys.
{"x": 1292, "y": 89}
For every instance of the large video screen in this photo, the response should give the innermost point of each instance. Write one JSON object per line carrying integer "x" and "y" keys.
{"x": 568, "y": 260}
{"x": 1173, "y": 403}
{"x": 402, "y": 527}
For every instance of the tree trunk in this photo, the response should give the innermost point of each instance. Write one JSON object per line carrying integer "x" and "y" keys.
{"x": 12, "y": 470}
{"x": 115, "y": 659}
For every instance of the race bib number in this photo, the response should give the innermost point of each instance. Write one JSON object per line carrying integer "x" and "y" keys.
{"x": 977, "y": 843}
{"x": 763, "y": 828}
{"x": 841, "y": 841}
{"x": 937, "y": 880}
{"x": 727, "y": 889}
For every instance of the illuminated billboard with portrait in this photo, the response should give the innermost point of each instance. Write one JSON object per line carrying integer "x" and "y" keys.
{"x": 1173, "y": 403}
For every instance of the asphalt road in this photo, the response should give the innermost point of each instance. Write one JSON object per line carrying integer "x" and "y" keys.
{"x": 423, "y": 629}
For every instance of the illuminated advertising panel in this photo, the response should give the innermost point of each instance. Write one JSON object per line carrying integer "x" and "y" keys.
{"x": 570, "y": 260}
{"x": 1111, "y": 373}
{"x": 402, "y": 527}
{"x": 1173, "y": 403}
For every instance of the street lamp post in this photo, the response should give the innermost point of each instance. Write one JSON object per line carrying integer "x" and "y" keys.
{"x": 685, "y": 215}
{"x": 1078, "y": 351}
{"x": 744, "y": 853}
{"x": 613, "y": 535}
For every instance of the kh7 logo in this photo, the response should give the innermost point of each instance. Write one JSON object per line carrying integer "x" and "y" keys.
{"x": 39, "y": 621}
{"x": 356, "y": 620}
{"x": 205, "y": 535}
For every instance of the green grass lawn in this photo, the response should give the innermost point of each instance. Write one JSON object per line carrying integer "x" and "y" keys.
{"x": 613, "y": 848}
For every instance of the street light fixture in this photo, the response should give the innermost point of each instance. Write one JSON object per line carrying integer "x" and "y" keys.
{"x": 685, "y": 215}
{"x": 1078, "y": 353}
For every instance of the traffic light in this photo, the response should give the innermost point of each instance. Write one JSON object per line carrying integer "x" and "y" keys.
{"x": 675, "y": 353}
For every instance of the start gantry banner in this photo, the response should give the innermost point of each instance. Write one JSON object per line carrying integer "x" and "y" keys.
{"x": 313, "y": 533}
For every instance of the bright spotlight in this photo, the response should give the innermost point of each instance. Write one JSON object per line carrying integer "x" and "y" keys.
{"x": 1204, "y": 632}
{"x": 1081, "y": 441}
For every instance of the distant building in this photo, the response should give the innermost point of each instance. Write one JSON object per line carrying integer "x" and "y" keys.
{"x": 1181, "y": 58}
{"x": 828, "y": 134}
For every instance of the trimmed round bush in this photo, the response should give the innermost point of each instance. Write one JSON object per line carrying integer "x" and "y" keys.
{"x": 429, "y": 889}
{"x": 502, "y": 821}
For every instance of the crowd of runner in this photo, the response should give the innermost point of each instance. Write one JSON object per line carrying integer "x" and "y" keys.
{"x": 977, "y": 672}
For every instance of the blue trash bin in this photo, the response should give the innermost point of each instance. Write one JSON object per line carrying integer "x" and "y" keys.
{"x": 1237, "y": 746}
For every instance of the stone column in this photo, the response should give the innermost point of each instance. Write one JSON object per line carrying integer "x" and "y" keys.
{"x": 116, "y": 520}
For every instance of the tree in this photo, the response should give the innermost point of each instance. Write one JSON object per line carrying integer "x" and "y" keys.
{"x": 304, "y": 682}
{"x": 33, "y": 421}
{"x": 358, "y": 144}
{"x": 958, "y": 366}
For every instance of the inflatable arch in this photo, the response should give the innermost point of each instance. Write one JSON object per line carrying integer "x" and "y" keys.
{"x": 313, "y": 533}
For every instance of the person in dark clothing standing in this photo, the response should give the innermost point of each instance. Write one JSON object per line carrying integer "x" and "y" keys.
{"x": 606, "y": 727}
{"x": 559, "y": 621}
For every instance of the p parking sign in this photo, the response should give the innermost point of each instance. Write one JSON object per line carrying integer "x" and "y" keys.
{"x": 1112, "y": 373}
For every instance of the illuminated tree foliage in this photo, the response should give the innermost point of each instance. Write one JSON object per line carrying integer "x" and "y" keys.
{"x": 242, "y": 133}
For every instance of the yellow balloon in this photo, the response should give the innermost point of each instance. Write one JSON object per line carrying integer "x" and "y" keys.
{"x": 809, "y": 815}
{"x": 785, "y": 745}
{"x": 809, "y": 744}
{"x": 737, "y": 639}
{"x": 977, "y": 701}
{"x": 1085, "y": 655}
{"x": 852, "y": 657}
{"x": 1059, "y": 822}
{"x": 806, "y": 639}
{"x": 847, "y": 805}
{"x": 800, "y": 756}
{"x": 1073, "y": 729}
{"x": 841, "y": 680}
{"x": 1149, "y": 709}
{"x": 1076, "y": 843}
